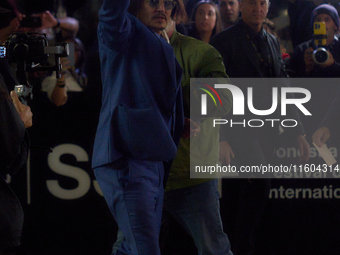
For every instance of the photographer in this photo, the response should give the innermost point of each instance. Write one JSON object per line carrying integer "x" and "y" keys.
{"x": 304, "y": 64}
{"x": 14, "y": 145}
{"x": 10, "y": 23}
{"x": 72, "y": 76}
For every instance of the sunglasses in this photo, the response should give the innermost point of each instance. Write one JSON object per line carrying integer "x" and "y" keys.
{"x": 168, "y": 4}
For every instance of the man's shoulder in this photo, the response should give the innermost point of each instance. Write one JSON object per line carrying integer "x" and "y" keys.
{"x": 233, "y": 30}
{"x": 191, "y": 43}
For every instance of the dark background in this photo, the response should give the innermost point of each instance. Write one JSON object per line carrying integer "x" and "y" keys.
{"x": 72, "y": 218}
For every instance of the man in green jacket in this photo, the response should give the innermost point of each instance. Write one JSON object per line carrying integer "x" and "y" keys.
{"x": 194, "y": 203}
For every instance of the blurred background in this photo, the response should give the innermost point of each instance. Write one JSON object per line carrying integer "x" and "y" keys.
{"x": 65, "y": 213}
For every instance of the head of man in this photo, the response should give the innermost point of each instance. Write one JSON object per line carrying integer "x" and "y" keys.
{"x": 156, "y": 14}
{"x": 229, "y": 11}
{"x": 253, "y": 12}
{"x": 328, "y": 14}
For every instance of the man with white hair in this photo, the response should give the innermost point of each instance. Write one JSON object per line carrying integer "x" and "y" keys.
{"x": 249, "y": 51}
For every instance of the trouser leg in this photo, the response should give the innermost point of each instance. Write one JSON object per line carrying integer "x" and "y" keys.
{"x": 134, "y": 193}
{"x": 197, "y": 209}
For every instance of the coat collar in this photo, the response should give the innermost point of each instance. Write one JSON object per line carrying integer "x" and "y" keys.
{"x": 246, "y": 34}
{"x": 171, "y": 61}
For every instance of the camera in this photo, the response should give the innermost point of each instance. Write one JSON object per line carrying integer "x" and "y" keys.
{"x": 24, "y": 91}
{"x": 33, "y": 49}
{"x": 320, "y": 54}
{"x": 30, "y": 51}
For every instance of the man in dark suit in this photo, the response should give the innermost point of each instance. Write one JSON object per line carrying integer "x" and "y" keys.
{"x": 240, "y": 44}
{"x": 141, "y": 118}
{"x": 249, "y": 51}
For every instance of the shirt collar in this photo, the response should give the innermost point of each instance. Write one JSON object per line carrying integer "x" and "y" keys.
{"x": 174, "y": 36}
{"x": 252, "y": 34}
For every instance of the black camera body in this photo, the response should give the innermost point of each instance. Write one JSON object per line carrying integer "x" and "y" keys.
{"x": 30, "y": 51}
{"x": 33, "y": 49}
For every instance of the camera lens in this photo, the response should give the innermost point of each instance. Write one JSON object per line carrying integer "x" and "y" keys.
{"x": 320, "y": 55}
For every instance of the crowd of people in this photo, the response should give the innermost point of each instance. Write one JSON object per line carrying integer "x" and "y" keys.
{"x": 142, "y": 149}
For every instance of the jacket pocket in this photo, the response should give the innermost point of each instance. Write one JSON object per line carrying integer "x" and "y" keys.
{"x": 144, "y": 134}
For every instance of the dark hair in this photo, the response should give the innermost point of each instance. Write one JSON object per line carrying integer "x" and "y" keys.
{"x": 178, "y": 13}
{"x": 135, "y": 6}
{"x": 218, "y": 25}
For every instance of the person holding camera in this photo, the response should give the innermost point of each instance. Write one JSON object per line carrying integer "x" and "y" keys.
{"x": 14, "y": 145}
{"x": 311, "y": 58}
{"x": 72, "y": 77}
{"x": 15, "y": 117}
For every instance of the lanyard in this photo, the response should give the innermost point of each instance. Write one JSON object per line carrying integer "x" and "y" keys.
{"x": 264, "y": 56}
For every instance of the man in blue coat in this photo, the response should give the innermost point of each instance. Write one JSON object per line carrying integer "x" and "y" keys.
{"x": 141, "y": 118}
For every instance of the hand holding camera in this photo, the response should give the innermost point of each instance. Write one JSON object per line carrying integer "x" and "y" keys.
{"x": 40, "y": 20}
{"x": 320, "y": 54}
{"x": 66, "y": 64}
{"x": 23, "y": 110}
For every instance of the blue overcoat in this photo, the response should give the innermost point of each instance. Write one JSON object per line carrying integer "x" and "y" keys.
{"x": 141, "y": 115}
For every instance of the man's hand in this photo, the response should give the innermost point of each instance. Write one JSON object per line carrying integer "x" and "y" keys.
{"x": 23, "y": 110}
{"x": 320, "y": 136}
{"x": 304, "y": 149}
{"x": 65, "y": 64}
{"x": 69, "y": 25}
{"x": 308, "y": 58}
{"x": 191, "y": 128}
{"x": 226, "y": 153}
{"x": 47, "y": 19}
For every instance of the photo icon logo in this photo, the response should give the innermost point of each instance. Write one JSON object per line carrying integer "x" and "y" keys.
{"x": 204, "y": 97}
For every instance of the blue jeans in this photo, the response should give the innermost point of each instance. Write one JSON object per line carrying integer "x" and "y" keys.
{"x": 197, "y": 209}
{"x": 133, "y": 190}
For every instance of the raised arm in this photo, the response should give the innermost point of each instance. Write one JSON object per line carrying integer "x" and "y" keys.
{"x": 114, "y": 21}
